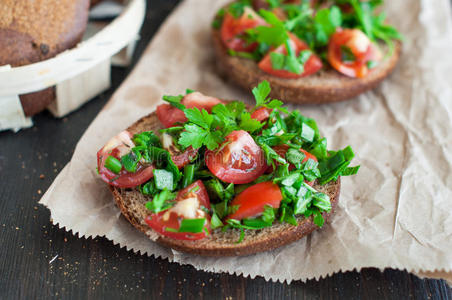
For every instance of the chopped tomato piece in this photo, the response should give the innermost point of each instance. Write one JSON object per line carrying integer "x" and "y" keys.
{"x": 189, "y": 205}
{"x": 200, "y": 101}
{"x": 169, "y": 115}
{"x": 232, "y": 29}
{"x": 261, "y": 114}
{"x": 238, "y": 160}
{"x": 253, "y": 200}
{"x": 355, "y": 44}
{"x": 184, "y": 158}
{"x": 312, "y": 65}
{"x": 117, "y": 147}
{"x": 179, "y": 158}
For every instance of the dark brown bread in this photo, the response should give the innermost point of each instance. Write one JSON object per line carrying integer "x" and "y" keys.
{"x": 34, "y": 103}
{"x": 131, "y": 202}
{"x": 32, "y": 31}
{"x": 95, "y": 2}
{"x": 325, "y": 86}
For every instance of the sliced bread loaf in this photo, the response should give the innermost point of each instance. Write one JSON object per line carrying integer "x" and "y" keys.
{"x": 32, "y": 31}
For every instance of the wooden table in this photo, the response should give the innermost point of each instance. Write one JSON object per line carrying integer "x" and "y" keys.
{"x": 40, "y": 260}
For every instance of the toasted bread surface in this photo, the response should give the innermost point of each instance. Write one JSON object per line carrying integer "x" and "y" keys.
{"x": 325, "y": 86}
{"x": 132, "y": 205}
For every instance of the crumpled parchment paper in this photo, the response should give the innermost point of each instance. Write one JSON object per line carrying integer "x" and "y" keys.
{"x": 395, "y": 213}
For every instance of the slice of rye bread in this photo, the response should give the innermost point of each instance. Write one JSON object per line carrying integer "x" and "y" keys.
{"x": 132, "y": 205}
{"x": 325, "y": 86}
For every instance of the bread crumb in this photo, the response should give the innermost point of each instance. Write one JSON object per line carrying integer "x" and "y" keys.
{"x": 39, "y": 192}
{"x": 41, "y": 176}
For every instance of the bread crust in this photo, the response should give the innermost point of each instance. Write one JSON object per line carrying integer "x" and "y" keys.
{"x": 325, "y": 86}
{"x": 51, "y": 27}
{"x": 33, "y": 31}
{"x": 131, "y": 203}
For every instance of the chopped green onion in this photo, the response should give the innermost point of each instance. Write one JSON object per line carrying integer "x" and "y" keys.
{"x": 113, "y": 164}
{"x": 171, "y": 229}
{"x": 268, "y": 216}
{"x": 161, "y": 201}
{"x": 215, "y": 222}
{"x": 192, "y": 225}
{"x": 221, "y": 209}
{"x": 295, "y": 157}
{"x": 290, "y": 180}
{"x": 304, "y": 199}
{"x": 318, "y": 219}
{"x": 350, "y": 171}
{"x": 243, "y": 54}
{"x": 322, "y": 201}
{"x": 148, "y": 189}
{"x": 372, "y": 64}
{"x": 307, "y": 133}
{"x": 242, "y": 236}
{"x": 189, "y": 172}
{"x": 277, "y": 60}
{"x": 163, "y": 179}
{"x": 255, "y": 223}
{"x": 130, "y": 161}
{"x": 174, "y": 129}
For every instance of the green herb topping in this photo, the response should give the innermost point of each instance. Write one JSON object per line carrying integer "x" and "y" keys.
{"x": 313, "y": 25}
{"x": 304, "y": 161}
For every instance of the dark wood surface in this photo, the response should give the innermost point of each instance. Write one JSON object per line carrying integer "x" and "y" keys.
{"x": 95, "y": 268}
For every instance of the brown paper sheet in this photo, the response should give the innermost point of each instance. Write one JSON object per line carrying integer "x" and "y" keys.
{"x": 396, "y": 213}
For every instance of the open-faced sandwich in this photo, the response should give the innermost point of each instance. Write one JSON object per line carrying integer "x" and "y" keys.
{"x": 310, "y": 51}
{"x": 216, "y": 178}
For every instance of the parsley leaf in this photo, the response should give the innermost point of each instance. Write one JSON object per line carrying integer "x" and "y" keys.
{"x": 199, "y": 117}
{"x": 197, "y": 137}
{"x": 249, "y": 124}
{"x": 273, "y": 35}
{"x": 174, "y": 101}
{"x": 326, "y": 22}
{"x": 199, "y": 130}
{"x": 261, "y": 92}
